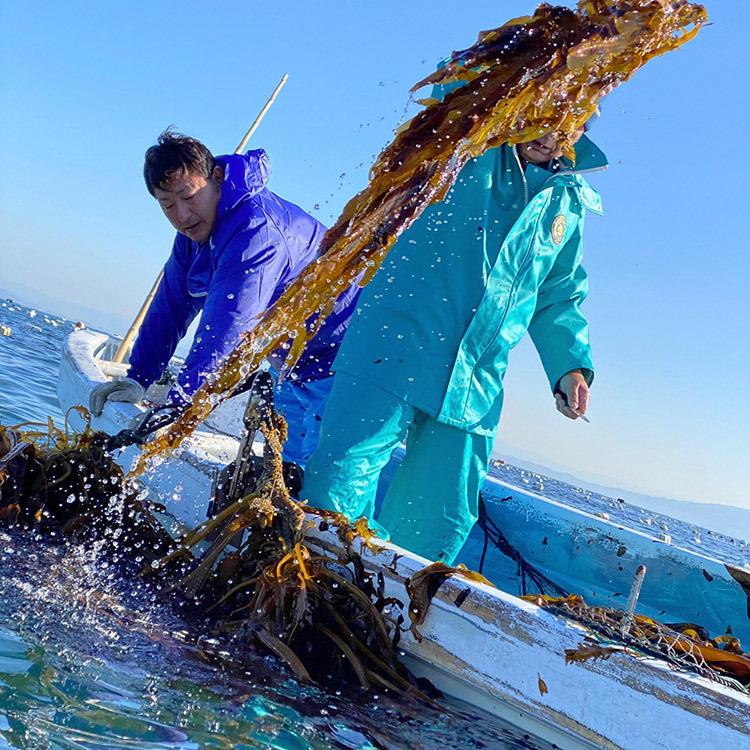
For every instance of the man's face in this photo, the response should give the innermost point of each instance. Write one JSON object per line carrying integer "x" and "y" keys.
{"x": 546, "y": 148}
{"x": 189, "y": 201}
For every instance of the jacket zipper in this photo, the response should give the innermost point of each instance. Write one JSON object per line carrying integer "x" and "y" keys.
{"x": 524, "y": 263}
{"x": 484, "y": 351}
{"x": 523, "y": 177}
{"x": 521, "y": 269}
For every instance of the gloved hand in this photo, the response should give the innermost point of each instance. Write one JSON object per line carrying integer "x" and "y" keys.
{"x": 127, "y": 389}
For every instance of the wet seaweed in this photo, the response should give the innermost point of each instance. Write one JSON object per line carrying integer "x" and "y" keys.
{"x": 423, "y": 586}
{"x": 685, "y": 644}
{"x": 539, "y": 74}
{"x": 55, "y": 482}
{"x": 325, "y": 615}
{"x": 247, "y": 574}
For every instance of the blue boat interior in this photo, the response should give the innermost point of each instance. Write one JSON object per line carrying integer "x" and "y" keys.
{"x": 597, "y": 559}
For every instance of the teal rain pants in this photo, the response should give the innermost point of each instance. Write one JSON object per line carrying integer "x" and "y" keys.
{"x": 432, "y": 502}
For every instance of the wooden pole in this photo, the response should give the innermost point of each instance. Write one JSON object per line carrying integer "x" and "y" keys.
{"x": 133, "y": 330}
{"x": 135, "y": 327}
{"x": 241, "y": 146}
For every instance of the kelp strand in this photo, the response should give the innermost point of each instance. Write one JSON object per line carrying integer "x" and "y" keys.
{"x": 318, "y": 613}
{"x": 538, "y": 74}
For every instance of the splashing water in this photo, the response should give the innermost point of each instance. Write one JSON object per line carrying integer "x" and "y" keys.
{"x": 87, "y": 659}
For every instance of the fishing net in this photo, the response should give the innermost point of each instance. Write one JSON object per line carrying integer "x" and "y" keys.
{"x": 538, "y": 74}
{"x": 684, "y": 645}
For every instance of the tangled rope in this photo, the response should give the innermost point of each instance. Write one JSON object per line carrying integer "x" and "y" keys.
{"x": 684, "y": 645}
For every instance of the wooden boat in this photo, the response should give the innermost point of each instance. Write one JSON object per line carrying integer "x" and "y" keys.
{"x": 484, "y": 645}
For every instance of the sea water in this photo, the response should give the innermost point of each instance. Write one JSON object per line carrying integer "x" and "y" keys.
{"x": 90, "y": 660}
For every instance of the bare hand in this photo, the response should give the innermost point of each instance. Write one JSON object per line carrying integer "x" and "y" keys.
{"x": 572, "y": 396}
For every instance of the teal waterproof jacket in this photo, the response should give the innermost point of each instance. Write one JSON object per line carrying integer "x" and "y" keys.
{"x": 499, "y": 256}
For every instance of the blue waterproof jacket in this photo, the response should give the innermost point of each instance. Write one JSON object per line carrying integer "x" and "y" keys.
{"x": 500, "y": 256}
{"x": 259, "y": 245}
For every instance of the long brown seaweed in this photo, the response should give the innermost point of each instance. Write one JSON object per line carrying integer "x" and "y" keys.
{"x": 247, "y": 573}
{"x": 537, "y": 74}
{"x": 57, "y": 481}
{"x": 534, "y": 75}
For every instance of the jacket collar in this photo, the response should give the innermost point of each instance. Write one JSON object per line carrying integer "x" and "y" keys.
{"x": 589, "y": 158}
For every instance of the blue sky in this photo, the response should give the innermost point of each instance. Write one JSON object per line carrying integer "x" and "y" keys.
{"x": 88, "y": 86}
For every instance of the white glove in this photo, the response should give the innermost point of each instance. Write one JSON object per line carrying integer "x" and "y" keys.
{"x": 127, "y": 389}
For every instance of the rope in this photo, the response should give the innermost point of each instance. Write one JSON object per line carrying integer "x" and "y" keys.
{"x": 154, "y": 419}
{"x": 526, "y": 570}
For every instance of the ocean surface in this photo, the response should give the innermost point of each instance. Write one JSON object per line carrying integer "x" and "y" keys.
{"x": 89, "y": 660}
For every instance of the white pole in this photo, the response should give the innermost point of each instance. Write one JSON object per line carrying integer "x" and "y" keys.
{"x": 635, "y": 592}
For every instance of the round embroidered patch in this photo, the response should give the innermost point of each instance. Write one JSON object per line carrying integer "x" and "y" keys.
{"x": 558, "y": 228}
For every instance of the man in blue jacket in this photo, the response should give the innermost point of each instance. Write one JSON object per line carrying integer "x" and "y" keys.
{"x": 238, "y": 247}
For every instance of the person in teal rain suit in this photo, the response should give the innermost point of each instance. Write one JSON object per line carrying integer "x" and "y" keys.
{"x": 427, "y": 347}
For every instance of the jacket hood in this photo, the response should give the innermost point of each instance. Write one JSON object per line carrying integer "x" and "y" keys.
{"x": 244, "y": 176}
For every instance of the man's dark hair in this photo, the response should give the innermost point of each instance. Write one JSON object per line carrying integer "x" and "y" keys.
{"x": 174, "y": 154}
